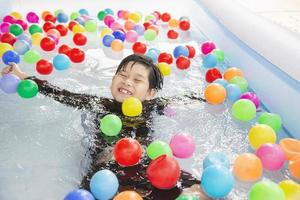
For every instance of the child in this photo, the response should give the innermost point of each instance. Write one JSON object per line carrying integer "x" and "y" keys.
{"x": 136, "y": 76}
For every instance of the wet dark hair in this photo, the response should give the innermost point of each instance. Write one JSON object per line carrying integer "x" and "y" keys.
{"x": 155, "y": 77}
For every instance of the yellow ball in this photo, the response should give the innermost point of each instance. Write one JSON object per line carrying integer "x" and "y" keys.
{"x": 164, "y": 68}
{"x": 260, "y": 134}
{"x": 291, "y": 189}
{"x": 16, "y": 15}
{"x": 78, "y": 29}
{"x": 36, "y": 38}
{"x": 105, "y": 31}
{"x": 132, "y": 107}
{"x": 5, "y": 47}
{"x": 134, "y": 17}
{"x": 173, "y": 23}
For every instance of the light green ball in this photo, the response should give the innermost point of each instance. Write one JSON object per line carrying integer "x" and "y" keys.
{"x": 187, "y": 197}
{"x": 74, "y": 15}
{"x": 31, "y": 56}
{"x": 271, "y": 119}
{"x": 150, "y": 35}
{"x": 243, "y": 110}
{"x": 110, "y": 125}
{"x": 90, "y": 26}
{"x": 219, "y": 54}
{"x": 34, "y": 28}
{"x": 158, "y": 148}
{"x": 266, "y": 190}
{"x": 149, "y": 17}
{"x": 241, "y": 82}
{"x": 27, "y": 89}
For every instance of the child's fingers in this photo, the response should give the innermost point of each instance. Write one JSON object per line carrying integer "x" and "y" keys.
{"x": 6, "y": 70}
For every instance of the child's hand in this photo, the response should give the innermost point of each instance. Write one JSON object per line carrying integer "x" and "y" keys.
{"x": 14, "y": 69}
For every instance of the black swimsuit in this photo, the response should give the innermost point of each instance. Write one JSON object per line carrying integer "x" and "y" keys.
{"x": 101, "y": 146}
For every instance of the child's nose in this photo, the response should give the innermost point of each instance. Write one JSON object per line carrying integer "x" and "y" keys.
{"x": 128, "y": 82}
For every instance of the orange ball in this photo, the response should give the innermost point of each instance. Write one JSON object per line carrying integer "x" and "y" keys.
{"x": 291, "y": 147}
{"x": 128, "y": 195}
{"x": 45, "y": 13}
{"x": 117, "y": 45}
{"x": 125, "y": 14}
{"x": 173, "y": 23}
{"x": 294, "y": 167}
{"x": 247, "y": 167}
{"x": 129, "y": 25}
{"x": 215, "y": 93}
{"x": 232, "y": 72}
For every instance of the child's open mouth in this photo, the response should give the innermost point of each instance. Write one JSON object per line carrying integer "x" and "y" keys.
{"x": 124, "y": 91}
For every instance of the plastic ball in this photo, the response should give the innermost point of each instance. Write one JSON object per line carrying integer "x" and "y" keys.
{"x": 32, "y": 17}
{"x": 192, "y": 51}
{"x": 149, "y": 35}
{"x": 172, "y": 34}
{"x": 215, "y": 93}
{"x": 149, "y": 18}
{"x": 294, "y": 166}
{"x": 27, "y": 89}
{"x": 232, "y": 72}
{"x": 110, "y": 125}
{"x": 61, "y": 62}
{"x": 71, "y": 24}
{"x": 173, "y": 23}
{"x": 51, "y": 18}
{"x": 164, "y": 68}
{"x": 104, "y": 184}
{"x": 118, "y": 34}
{"x": 131, "y": 36}
{"x": 44, "y": 67}
{"x": 252, "y": 97}
{"x": 217, "y": 181}
{"x": 187, "y": 197}
{"x": 291, "y": 147}
{"x": 180, "y": 51}
{"x": 8, "y": 38}
{"x": 105, "y": 31}
{"x": 153, "y": 55}
{"x": 139, "y": 29}
{"x": 34, "y": 28}
{"x": 109, "y": 11}
{"x": 184, "y": 25}
{"x": 183, "y": 62}
{"x": 158, "y": 148}
{"x": 65, "y": 49}
{"x": 90, "y": 26}
{"x": 165, "y": 57}
{"x": 54, "y": 34}
{"x": 26, "y": 37}
{"x": 101, "y": 14}
{"x": 271, "y": 119}
{"x": 221, "y": 81}
{"x": 62, "y": 18}
{"x": 128, "y": 195}
{"x": 9, "y": 83}
{"x": 76, "y": 55}
{"x": 241, "y": 82}
{"x": 79, "y": 39}
{"x": 209, "y": 61}
{"x": 31, "y": 56}
{"x": 117, "y": 45}
{"x": 163, "y": 172}
{"x": 243, "y": 110}
{"x": 233, "y": 92}
{"x": 212, "y": 74}
{"x": 61, "y": 29}
{"x": 23, "y": 24}
{"x": 266, "y": 190}
{"x": 165, "y": 17}
{"x": 153, "y": 27}
{"x": 83, "y": 11}
{"x": 10, "y": 57}
{"x": 16, "y": 15}
{"x": 5, "y": 47}
{"x": 128, "y": 152}
{"x": 36, "y": 38}
{"x": 207, "y": 47}
{"x": 48, "y": 25}
{"x": 15, "y": 29}
{"x": 108, "y": 20}
{"x": 129, "y": 25}
{"x": 291, "y": 189}
{"x": 247, "y": 167}
{"x": 182, "y": 145}
{"x": 132, "y": 107}
{"x": 139, "y": 48}
{"x": 107, "y": 40}
{"x": 216, "y": 158}
{"x": 45, "y": 13}
{"x": 4, "y": 27}
{"x": 219, "y": 54}
{"x": 260, "y": 134}
{"x": 47, "y": 44}
{"x": 8, "y": 18}
{"x": 78, "y": 28}
{"x": 79, "y": 194}
{"x": 134, "y": 17}
{"x": 146, "y": 25}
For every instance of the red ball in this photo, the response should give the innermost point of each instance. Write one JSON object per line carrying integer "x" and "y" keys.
{"x": 48, "y": 25}
{"x": 183, "y": 62}
{"x": 8, "y": 38}
{"x": 76, "y": 55}
{"x": 65, "y": 49}
{"x": 192, "y": 51}
{"x": 184, "y": 25}
{"x": 127, "y": 152}
{"x": 50, "y": 18}
{"x": 139, "y": 48}
{"x": 79, "y": 39}
{"x": 62, "y": 29}
{"x": 165, "y": 57}
{"x": 163, "y": 172}
{"x": 44, "y": 67}
{"x": 72, "y": 24}
{"x": 47, "y": 43}
{"x": 146, "y": 25}
{"x": 165, "y": 17}
{"x": 212, "y": 74}
{"x": 172, "y": 34}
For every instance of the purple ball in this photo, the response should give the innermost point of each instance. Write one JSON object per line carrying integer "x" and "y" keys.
{"x": 9, "y": 83}
{"x": 252, "y": 97}
{"x": 32, "y": 17}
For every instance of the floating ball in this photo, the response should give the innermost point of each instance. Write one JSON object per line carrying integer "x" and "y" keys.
{"x": 192, "y": 51}
{"x": 128, "y": 195}
{"x": 247, "y": 167}
{"x": 107, "y": 40}
{"x": 216, "y": 158}
{"x": 221, "y": 81}
{"x": 153, "y": 54}
{"x": 48, "y": 25}
{"x": 62, "y": 29}
{"x": 219, "y": 54}
{"x": 4, "y": 27}
{"x": 172, "y": 34}
{"x": 101, "y": 14}
{"x": 4, "y": 47}
{"x": 78, "y": 28}
{"x": 47, "y": 44}
{"x": 139, "y": 29}
{"x": 165, "y": 17}
{"x": 149, "y": 35}
{"x": 32, "y": 17}
{"x": 232, "y": 72}
{"x": 108, "y": 20}
{"x": 271, "y": 119}
{"x": 44, "y": 67}
{"x": 110, "y": 125}
{"x": 51, "y": 18}
{"x": 158, "y": 148}
{"x": 79, "y": 39}
{"x": 182, "y": 145}
{"x": 9, "y": 83}
{"x": 8, "y": 38}
{"x": 62, "y": 18}
{"x": 23, "y": 24}
{"x": 129, "y": 25}
{"x": 187, "y": 197}
{"x": 132, "y": 107}
{"x": 291, "y": 189}
{"x": 183, "y": 62}
{"x": 173, "y": 23}
{"x": 16, "y": 15}
{"x": 184, "y": 25}
{"x": 21, "y": 47}
{"x": 79, "y": 194}
{"x": 207, "y": 47}
{"x": 212, "y": 74}
{"x": 294, "y": 166}
{"x": 209, "y": 61}
{"x": 241, "y": 82}
{"x": 8, "y": 18}
{"x": 64, "y": 49}
{"x": 291, "y": 147}
{"x": 31, "y": 56}
{"x": 34, "y": 28}
{"x": 243, "y": 110}
{"x": 76, "y": 55}
{"x": 134, "y": 17}
{"x": 27, "y": 89}
{"x": 215, "y": 93}
{"x": 61, "y": 62}
{"x": 252, "y": 97}
{"x": 117, "y": 45}
{"x": 164, "y": 68}
{"x": 10, "y": 56}
{"x": 180, "y": 51}
{"x": 139, "y": 48}
{"x": 36, "y": 38}
{"x": 163, "y": 172}
{"x": 118, "y": 34}
{"x": 16, "y": 29}
{"x": 128, "y": 152}
{"x": 71, "y": 24}
{"x": 233, "y": 92}
{"x": 260, "y": 134}
{"x": 266, "y": 190}
{"x": 165, "y": 57}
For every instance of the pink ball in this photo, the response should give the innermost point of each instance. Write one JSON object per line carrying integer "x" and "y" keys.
{"x": 271, "y": 156}
{"x": 4, "y": 27}
{"x": 10, "y": 19}
{"x": 120, "y": 13}
{"x": 116, "y": 26}
{"x": 252, "y": 97}
{"x": 131, "y": 36}
{"x": 32, "y": 17}
{"x": 207, "y": 47}
{"x": 182, "y": 145}
{"x": 108, "y": 20}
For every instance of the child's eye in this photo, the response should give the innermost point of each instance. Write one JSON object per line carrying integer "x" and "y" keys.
{"x": 137, "y": 80}
{"x": 123, "y": 75}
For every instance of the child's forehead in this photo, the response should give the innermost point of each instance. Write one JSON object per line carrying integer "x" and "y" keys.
{"x": 134, "y": 67}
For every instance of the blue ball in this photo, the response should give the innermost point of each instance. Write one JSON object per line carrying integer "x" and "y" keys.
{"x": 217, "y": 181}
{"x": 233, "y": 92}
{"x": 221, "y": 82}
{"x": 79, "y": 194}
{"x": 104, "y": 184}
{"x": 119, "y": 35}
{"x": 80, "y": 20}
{"x": 153, "y": 55}
{"x": 9, "y": 83}
{"x": 83, "y": 11}
{"x": 109, "y": 11}
{"x": 139, "y": 29}
{"x": 25, "y": 37}
{"x": 210, "y": 61}
{"x": 61, "y": 62}
{"x": 156, "y": 50}
{"x": 216, "y": 158}
{"x": 21, "y": 47}
{"x": 62, "y": 18}
{"x": 181, "y": 51}
{"x": 10, "y": 56}
{"x": 107, "y": 39}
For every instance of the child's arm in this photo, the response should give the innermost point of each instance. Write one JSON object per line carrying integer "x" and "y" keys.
{"x": 81, "y": 101}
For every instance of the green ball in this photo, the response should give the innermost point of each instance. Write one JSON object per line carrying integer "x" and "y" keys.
{"x": 15, "y": 29}
{"x": 90, "y": 26}
{"x": 74, "y": 15}
{"x": 271, "y": 119}
{"x": 241, "y": 82}
{"x": 34, "y": 28}
{"x": 150, "y": 35}
{"x": 111, "y": 125}
{"x": 158, "y": 148}
{"x": 219, "y": 54}
{"x": 101, "y": 15}
{"x": 187, "y": 197}
{"x": 27, "y": 89}
{"x": 149, "y": 17}
{"x": 266, "y": 190}
{"x": 244, "y": 110}
{"x": 31, "y": 56}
